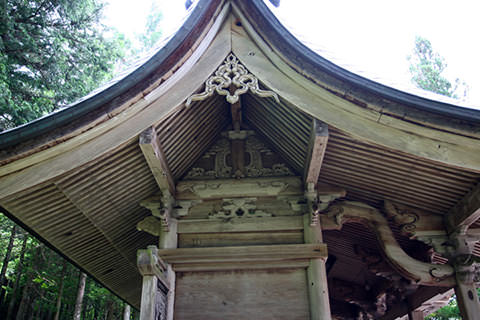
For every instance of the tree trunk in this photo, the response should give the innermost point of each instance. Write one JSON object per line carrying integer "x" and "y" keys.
{"x": 80, "y": 292}
{"x": 18, "y": 275}
{"x": 110, "y": 313}
{"x": 126, "y": 312}
{"x": 5, "y": 262}
{"x": 60, "y": 289}
{"x": 22, "y": 308}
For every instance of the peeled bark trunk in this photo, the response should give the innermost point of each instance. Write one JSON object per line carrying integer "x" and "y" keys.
{"x": 18, "y": 275}
{"x": 5, "y": 262}
{"x": 80, "y": 293}
{"x": 60, "y": 290}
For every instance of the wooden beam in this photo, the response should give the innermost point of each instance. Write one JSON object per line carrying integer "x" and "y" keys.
{"x": 317, "y": 147}
{"x": 241, "y": 225}
{"x": 267, "y": 253}
{"x": 465, "y": 212}
{"x": 152, "y": 150}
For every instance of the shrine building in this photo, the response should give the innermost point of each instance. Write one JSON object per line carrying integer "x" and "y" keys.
{"x": 237, "y": 174}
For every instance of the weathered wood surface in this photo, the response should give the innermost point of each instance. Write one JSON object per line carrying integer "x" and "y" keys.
{"x": 241, "y": 225}
{"x": 248, "y": 187}
{"x": 361, "y": 122}
{"x": 417, "y": 271}
{"x": 243, "y": 253}
{"x": 193, "y": 240}
{"x": 317, "y": 148}
{"x": 467, "y": 299}
{"x": 155, "y": 157}
{"x": 261, "y": 294}
{"x": 465, "y": 212}
{"x": 316, "y": 275}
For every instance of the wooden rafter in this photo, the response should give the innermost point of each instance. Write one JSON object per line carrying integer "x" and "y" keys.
{"x": 152, "y": 150}
{"x": 465, "y": 212}
{"x": 318, "y": 145}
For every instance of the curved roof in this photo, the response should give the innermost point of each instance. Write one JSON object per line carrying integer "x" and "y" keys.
{"x": 76, "y": 177}
{"x": 278, "y": 36}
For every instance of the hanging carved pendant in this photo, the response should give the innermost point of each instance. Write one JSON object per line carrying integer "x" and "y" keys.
{"x": 231, "y": 72}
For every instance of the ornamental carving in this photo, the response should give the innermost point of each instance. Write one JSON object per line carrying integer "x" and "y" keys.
{"x": 231, "y": 72}
{"x": 239, "y": 208}
{"x": 216, "y": 163}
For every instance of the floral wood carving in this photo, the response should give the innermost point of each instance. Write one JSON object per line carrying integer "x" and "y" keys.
{"x": 239, "y": 208}
{"x": 255, "y": 168}
{"x": 231, "y": 72}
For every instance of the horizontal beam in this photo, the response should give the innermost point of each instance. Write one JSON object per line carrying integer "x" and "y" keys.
{"x": 465, "y": 212}
{"x": 318, "y": 145}
{"x": 241, "y": 225}
{"x": 153, "y": 153}
{"x": 241, "y": 254}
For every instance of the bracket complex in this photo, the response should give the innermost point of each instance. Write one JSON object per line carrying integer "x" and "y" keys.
{"x": 231, "y": 72}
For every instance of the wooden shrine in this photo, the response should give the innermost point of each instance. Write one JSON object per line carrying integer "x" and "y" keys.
{"x": 239, "y": 175}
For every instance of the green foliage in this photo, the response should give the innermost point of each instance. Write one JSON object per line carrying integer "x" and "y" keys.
{"x": 153, "y": 32}
{"x": 427, "y": 67}
{"x": 52, "y": 52}
{"x": 448, "y": 312}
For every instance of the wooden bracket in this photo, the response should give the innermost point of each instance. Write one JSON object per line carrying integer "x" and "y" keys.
{"x": 161, "y": 207}
{"x": 150, "y": 264}
{"x": 156, "y": 160}
{"x": 419, "y": 272}
{"x": 317, "y": 147}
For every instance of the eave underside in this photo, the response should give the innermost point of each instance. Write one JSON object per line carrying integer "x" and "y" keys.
{"x": 90, "y": 213}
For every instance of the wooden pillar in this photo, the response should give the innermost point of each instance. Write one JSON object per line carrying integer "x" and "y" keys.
{"x": 465, "y": 290}
{"x": 153, "y": 269}
{"x": 168, "y": 240}
{"x": 316, "y": 274}
{"x": 149, "y": 294}
{"x": 467, "y": 300}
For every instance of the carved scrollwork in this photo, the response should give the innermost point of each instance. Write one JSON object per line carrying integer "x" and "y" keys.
{"x": 255, "y": 167}
{"x": 231, "y": 72}
{"x": 402, "y": 216}
{"x": 239, "y": 208}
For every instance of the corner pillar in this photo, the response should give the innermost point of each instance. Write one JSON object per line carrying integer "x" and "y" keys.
{"x": 316, "y": 272}
{"x": 154, "y": 284}
{"x": 465, "y": 289}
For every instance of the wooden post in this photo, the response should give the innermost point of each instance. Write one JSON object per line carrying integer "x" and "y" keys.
{"x": 465, "y": 290}
{"x": 467, "y": 300}
{"x": 152, "y": 268}
{"x": 169, "y": 239}
{"x": 149, "y": 294}
{"x": 316, "y": 275}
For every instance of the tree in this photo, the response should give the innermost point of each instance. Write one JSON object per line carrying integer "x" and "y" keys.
{"x": 426, "y": 68}
{"x": 52, "y": 52}
{"x": 80, "y": 292}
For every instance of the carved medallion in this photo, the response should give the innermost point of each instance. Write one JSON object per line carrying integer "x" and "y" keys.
{"x": 231, "y": 72}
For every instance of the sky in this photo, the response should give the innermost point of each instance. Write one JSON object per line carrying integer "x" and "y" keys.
{"x": 371, "y": 37}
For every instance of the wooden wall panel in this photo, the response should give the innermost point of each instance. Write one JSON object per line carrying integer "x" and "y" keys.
{"x": 260, "y": 294}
